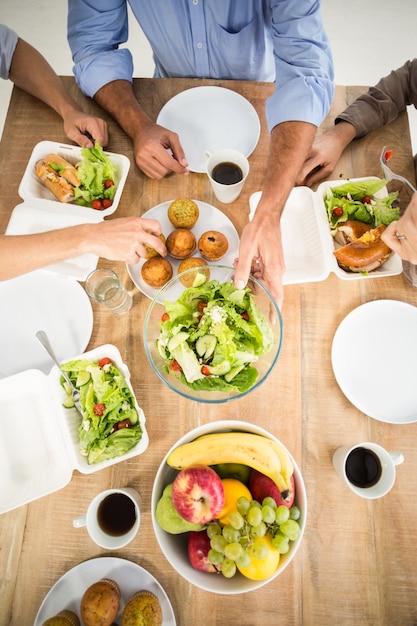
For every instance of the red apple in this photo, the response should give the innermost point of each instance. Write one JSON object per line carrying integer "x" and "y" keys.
{"x": 198, "y": 547}
{"x": 262, "y": 486}
{"x": 198, "y": 494}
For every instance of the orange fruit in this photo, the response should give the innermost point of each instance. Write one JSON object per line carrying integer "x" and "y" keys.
{"x": 259, "y": 569}
{"x": 233, "y": 490}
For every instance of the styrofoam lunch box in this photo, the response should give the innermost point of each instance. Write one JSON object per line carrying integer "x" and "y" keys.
{"x": 41, "y": 211}
{"x": 307, "y": 242}
{"x": 39, "y": 445}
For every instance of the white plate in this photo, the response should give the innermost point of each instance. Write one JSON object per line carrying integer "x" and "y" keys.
{"x": 41, "y": 301}
{"x": 211, "y": 118}
{"x": 209, "y": 218}
{"x": 69, "y": 589}
{"x": 374, "y": 358}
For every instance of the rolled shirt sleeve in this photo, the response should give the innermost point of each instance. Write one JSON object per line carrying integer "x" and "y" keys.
{"x": 8, "y": 43}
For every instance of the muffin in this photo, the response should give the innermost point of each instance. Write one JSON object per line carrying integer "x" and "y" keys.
{"x": 188, "y": 279}
{"x": 63, "y": 618}
{"x": 181, "y": 243}
{"x": 100, "y": 603}
{"x": 183, "y": 213}
{"x": 150, "y": 252}
{"x": 143, "y": 609}
{"x": 213, "y": 245}
{"x": 156, "y": 271}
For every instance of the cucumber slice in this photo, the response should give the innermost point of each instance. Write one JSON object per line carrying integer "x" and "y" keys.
{"x": 233, "y": 372}
{"x": 205, "y": 345}
{"x": 199, "y": 279}
{"x": 175, "y": 341}
{"x": 68, "y": 402}
{"x": 82, "y": 378}
{"x": 220, "y": 369}
{"x": 161, "y": 349}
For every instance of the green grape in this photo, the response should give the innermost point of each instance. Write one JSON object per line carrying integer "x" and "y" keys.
{"x": 213, "y": 529}
{"x": 244, "y": 559}
{"x": 254, "y": 504}
{"x": 228, "y": 568}
{"x": 233, "y": 551}
{"x": 254, "y": 516}
{"x": 291, "y": 529}
{"x": 236, "y": 520}
{"x": 268, "y": 501}
{"x": 230, "y": 534}
{"x": 242, "y": 505}
{"x": 282, "y": 513}
{"x": 259, "y": 550}
{"x": 268, "y": 514}
{"x": 259, "y": 531}
{"x": 218, "y": 543}
{"x": 281, "y": 543}
{"x": 214, "y": 557}
{"x": 295, "y": 512}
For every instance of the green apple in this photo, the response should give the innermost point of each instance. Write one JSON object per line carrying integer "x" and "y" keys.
{"x": 234, "y": 470}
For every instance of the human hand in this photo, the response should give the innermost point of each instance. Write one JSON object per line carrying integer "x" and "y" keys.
{"x": 158, "y": 151}
{"x": 261, "y": 254}
{"x": 325, "y": 154}
{"x": 401, "y": 235}
{"x": 85, "y": 129}
{"x": 124, "y": 238}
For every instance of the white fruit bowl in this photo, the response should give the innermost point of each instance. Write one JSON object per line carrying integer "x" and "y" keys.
{"x": 174, "y": 547}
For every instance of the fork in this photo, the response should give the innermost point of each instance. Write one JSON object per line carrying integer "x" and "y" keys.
{"x": 43, "y": 339}
{"x": 389, "y": 174}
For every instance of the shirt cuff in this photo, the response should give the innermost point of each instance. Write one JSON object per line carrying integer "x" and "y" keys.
{"x": 92, "y": 74}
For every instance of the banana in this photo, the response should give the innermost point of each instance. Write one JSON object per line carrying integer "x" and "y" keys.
{"x": 287, "y": 466}
{"x": 231, "y": 447}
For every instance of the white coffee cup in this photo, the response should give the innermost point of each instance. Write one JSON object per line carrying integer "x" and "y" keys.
{"x": 235, "y": 166}
{"x": 367, "y": 468}
{"x": 112, "y": 518}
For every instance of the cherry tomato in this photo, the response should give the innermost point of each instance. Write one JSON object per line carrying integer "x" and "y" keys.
{"x": 108, "y": 183}
{"x": 366, "y": 199}
{"x": 97, "y": 205}
{"x": 205, "y": 370}
{"x": 106, "y": 203}
{"x": 388, "y": 154}
{"x": 165, "y": 317}
{"x": 99, "y": 409}
{"x": 175, "y": 366}
{"x": 337, "y": 211}
{"x": 201, "y": 305}
{"x": 245, "y": 316}
{"x": 104, "y": 361}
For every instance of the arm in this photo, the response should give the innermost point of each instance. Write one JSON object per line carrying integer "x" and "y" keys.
{"x": 379, "y": 106}
{"x": 30, "y": 71}
{"x": 120, "y": 239}
{"x": 261, "y": 238}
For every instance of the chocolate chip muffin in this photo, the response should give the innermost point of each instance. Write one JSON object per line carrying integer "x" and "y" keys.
{"x": 183, "y": 213}
{"x": 143, "y": 609}
{"x": 213, "y": 245}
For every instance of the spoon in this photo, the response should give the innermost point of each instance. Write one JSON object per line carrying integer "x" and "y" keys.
{"x": 43, "y": 339}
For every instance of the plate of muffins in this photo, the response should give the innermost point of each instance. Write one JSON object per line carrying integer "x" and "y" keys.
{"x": 195, "y": 234}
{"x": 103, "y": 590}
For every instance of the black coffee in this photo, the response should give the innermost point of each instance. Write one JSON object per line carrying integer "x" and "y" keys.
{"x": 116, "y": 514}
{"x": 227, "y": 173}
{"x": 363, "y": 467}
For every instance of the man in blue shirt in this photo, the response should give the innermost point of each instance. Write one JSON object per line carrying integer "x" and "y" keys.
{"x": 263, "y": 40}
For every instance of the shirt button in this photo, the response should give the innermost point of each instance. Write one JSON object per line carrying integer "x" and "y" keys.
{"x": 199, "y": 45}
{"x": 195, "y": 1}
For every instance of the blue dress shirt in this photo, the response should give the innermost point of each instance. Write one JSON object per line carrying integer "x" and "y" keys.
{"x": 8, "y": 42}
{"x": 261, "y": 40}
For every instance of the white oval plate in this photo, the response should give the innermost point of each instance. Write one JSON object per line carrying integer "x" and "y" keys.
{"x": 69, "y": 589}
{"x": 211, "y": 118}
{"x": 209, "y": 218}
{"x": 42, "y": 301}
{"x": 374, "y": 359}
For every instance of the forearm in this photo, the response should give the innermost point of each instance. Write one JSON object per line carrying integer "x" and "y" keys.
{"x": 118, "y": 99}
{"x": 30, "y": 71}
{"x": 20, "y": 254}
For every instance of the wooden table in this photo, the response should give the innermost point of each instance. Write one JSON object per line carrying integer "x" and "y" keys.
{"x": 357, "y": 563}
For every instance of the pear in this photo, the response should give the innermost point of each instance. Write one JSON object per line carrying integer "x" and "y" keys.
{"x": 168, "y": 517}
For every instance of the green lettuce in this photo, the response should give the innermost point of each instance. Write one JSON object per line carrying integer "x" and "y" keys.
{"x": 93, "y": 170}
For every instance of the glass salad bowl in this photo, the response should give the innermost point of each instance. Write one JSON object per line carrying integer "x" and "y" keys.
{"x": 212, "y": 342}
